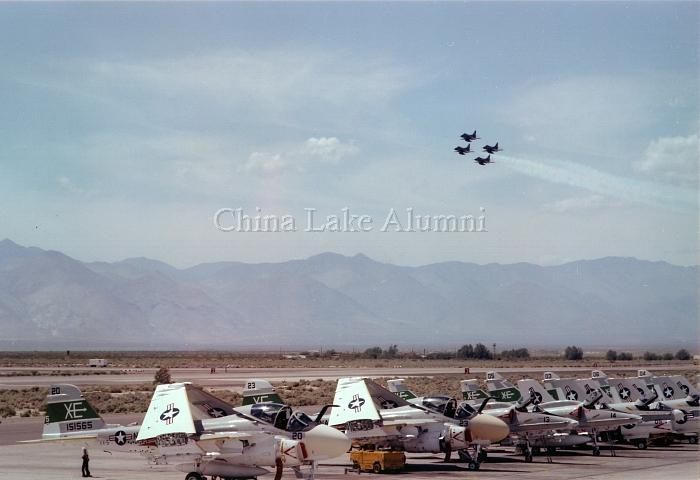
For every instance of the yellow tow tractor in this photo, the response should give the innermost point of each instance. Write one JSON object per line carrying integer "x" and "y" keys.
{"x": 378, "y": 461}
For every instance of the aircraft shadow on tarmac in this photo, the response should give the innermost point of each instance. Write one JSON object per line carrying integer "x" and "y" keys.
{"x": 447, "y": 467}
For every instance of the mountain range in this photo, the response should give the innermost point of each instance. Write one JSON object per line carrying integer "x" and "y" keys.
{"x": 50, "y": 300}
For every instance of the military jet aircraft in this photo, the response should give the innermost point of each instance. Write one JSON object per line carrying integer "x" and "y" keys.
{"x": 654, "y": 424}
{"x": 590, "y": 419}
{"x": 186, "y": 423}
{"x": 525, "y": 426}
{"x": 678, "y": 394}
{"x": 372, "y": 415}
{"x": 484, "y": 161}
{"x": 469, "y": 137}
{"x": 490, "y": 149}
{"x": 71, "y": 418}
{"x": 463, "y": 150}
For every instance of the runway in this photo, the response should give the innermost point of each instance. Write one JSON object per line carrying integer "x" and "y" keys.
{"x": 236, "y": 377}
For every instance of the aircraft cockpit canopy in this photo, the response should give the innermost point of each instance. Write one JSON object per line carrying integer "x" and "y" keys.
{"x": 276, "y": 414}
{"x": 443, "y": 404}
{"x": 464, "y": 411}
{"x": 299, "y": 421}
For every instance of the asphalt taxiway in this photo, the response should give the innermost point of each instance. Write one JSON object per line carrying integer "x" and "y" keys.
{"x": 236, "y": 377}
{"x": 677, "y": 462}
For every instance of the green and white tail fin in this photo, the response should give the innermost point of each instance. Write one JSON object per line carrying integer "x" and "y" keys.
{"x": 398, "y": 386}
{"x": 471, "y": 390}
{"x": 259, "y": 391}
{"x": 168, "y": 413}
{"x": 69, "y": 414}
{"x": 501, "y": 389}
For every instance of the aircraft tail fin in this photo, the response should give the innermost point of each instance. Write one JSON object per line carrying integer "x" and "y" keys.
{"x": 259, "y": 391}
{"x": 398, "y": 386}
{"x": 532, "y": 389}
{"x": 360, "y": 399}
{"x": 471, "y": 390}
{"x": 168, "y": 413}
{"x": 69, "y": 414}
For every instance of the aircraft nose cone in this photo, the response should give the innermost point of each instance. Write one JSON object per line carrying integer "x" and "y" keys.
{"x": 323, "y": 442}
{"x": 486, "y": 427}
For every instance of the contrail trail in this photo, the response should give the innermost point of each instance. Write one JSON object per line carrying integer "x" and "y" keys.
{"x": 630, "y": 189}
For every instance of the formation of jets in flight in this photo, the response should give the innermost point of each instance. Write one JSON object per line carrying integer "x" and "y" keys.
{"x": 470, "y": 137}
{"x": 208, "y": 436}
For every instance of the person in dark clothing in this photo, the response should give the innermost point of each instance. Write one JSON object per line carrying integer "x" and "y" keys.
{"x": 86, "y": 463}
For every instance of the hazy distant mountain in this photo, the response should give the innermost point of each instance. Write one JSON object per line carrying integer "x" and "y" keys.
{"x": 333, "y": 300}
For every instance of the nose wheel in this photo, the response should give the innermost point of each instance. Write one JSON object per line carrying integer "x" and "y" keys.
{"x": 472, "y": 463}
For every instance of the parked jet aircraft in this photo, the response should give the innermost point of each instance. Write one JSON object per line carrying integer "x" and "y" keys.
{"x": 371, "y": 415}
{"x": 463, "y": 150}
{"x": 525, "y": 426}
{"x": 71, "y": 418}
{"x": 683, "y": 413}
{"x": 484, "y": 161}
{"x": 654, "y": 423}
{"x": 590, "y": 419}
{"x": 490, "y": 149}
{"x": 469, "y": 137}
{"x": 183, "y": 422}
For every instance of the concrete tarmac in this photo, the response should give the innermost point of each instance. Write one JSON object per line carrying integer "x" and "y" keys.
{"x": 677, "y": 462}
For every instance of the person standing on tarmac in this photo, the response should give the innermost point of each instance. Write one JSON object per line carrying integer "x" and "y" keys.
{"x": 86, "y": 463}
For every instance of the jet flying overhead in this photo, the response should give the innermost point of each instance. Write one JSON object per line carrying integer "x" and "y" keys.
{"x": 490, "y": 149}
{"x": 463, "y": 150}
{"x": 484, "y": 161}
{"x": 469, "y": 137}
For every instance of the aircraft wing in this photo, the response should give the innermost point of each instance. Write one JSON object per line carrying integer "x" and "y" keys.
{"x": 210, "y": 442}
{"x": 408, "y": 422}
{"x": 61, "y": 439}
{"x": 553, "y": 425}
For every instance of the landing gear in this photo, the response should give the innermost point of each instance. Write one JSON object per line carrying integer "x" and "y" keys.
{"x": 194, "y": 476}
{"x": 472, "y": 464}
{"x": 596, "y": 451}
{"x": 641, "y": 444}
{"x": 693, "y": 440}
{"x": 528, "y": 455}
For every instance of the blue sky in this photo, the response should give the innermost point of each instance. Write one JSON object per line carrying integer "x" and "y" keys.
{"x": 125, "y": 127}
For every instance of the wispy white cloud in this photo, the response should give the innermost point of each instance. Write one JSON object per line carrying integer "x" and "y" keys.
{"x": 591, "y": 113}
{"x": 67, "y": 184}
{"x": 572, "y": 204}
{"x": 603, "y": 183}
{"x": 299, "y": 157}
{"x": 672, "y": 158}
{"x": 328, "y": 149}
{"x": 268, "y": 82}
{"x": 266, "y": 163}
